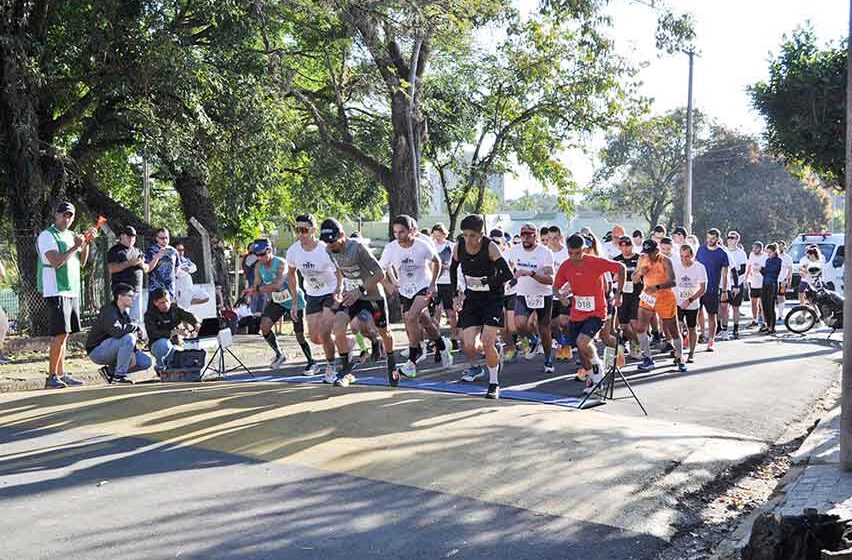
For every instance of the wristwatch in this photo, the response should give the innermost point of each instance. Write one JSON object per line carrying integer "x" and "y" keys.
{"x": 363, "y": 290}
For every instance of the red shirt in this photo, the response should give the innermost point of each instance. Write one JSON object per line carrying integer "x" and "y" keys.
{"x": 587, "y": 285}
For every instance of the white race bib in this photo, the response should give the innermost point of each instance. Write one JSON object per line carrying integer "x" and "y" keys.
{"x": 535, "y": 302}
{"x": 684, "y": 294}
{"x": 586, "y": 304}
{"x": 350, "y": 284}
{"x": 477, "y": 283}
{"x": 315, "y": 284}
{"x": 408, "y": 289}
{"x": 280, "y": 297}
{"x": 628, "y": 287}
{"x": 648, "y": 299}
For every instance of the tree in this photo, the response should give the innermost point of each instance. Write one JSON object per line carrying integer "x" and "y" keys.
{"x": 804, "y": 104}
{"x": 739, "y": 186}
{"x": 544, "y": 87}
{"x": 642, "y": 166}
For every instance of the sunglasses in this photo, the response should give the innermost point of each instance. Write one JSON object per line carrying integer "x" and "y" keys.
{"x": 163, "y": 238}
{"x": 527, "y": 234}
{"x": 732, "y": 238}
{"x": 302, "y": 229}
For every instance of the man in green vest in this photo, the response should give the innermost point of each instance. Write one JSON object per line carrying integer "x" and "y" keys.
{"x": 61, "y": 252}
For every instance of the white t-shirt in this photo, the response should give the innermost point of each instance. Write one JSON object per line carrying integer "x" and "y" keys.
{"x": 786, "y": 267}
{"x": 46, "y": 243}
{"x": 316, "y": 267}
{"x": 559, "y": 257}
{"x": 756, "y": 280}
{"x": 803, "y": 264}
{"x": 688, "y": 281}
{"x": 532, "y": 261}
{"x": 611, "y": 251}
{"x": 445, "y": 254}
{"x": 411, "y": 264}
{"x": 737, "y": 258}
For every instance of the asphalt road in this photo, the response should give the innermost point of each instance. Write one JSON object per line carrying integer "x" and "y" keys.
{"x": 302, "y": 470}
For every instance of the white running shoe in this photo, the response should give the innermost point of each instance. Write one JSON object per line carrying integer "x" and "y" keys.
{"x": 330, "y": 374}
{"x": 279, "y": 361}
{"x": 596, "y": 376}
{"x": 311, "y": 369}
{"x": 533, "y": 352}
{"x": 446, "y": 354}
{"x": 408, "y": 369}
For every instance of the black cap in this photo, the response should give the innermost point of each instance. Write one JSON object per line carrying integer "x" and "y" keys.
{"x": 496, "y": 233}
{"x": 681, "y": 230}
{"x": 64, "y": 208}
{"x": 330, "y": 230}
{"x": 608, "y": 236}
{"x": 649, "y": 246}
{"x": 658, "y": 228}
{"x": 129, "y": 231}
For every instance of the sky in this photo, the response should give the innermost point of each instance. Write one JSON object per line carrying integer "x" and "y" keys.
{"x": 735, "y": 40}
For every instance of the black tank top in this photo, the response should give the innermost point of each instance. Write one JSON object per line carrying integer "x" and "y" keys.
{"x": 477, "y": 266}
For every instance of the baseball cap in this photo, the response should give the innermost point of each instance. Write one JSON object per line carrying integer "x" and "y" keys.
{"x": 65, "y": 207}
{"x": 529, "y": 227}
{"x": 649, "y": 246}
{"x": 659, "y": 228}
{"x": 496, "y": 233}
{"x": 129, "y": 231}
{"x": 681, "y": 230}
{"x": 330, "y": 230}
{"x": 260, "y": 246}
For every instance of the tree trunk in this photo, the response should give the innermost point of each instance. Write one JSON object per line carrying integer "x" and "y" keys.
{"x": 196, "y": 202}
{"x": 402, "y": 187}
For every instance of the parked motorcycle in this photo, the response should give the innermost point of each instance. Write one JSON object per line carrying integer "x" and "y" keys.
{"x": 822, "y": 304}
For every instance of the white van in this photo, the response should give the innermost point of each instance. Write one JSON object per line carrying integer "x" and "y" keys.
{"x": 832, "y": 246}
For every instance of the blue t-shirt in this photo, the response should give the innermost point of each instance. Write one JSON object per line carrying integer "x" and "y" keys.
{"x": 714, "y": 260}
{"x": 163, "y": 275}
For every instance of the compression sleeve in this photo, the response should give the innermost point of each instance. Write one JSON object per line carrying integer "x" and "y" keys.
{"x": 735, "y": 277}
{"x": 454, "y": 274}
{"x": 502, "y": 273}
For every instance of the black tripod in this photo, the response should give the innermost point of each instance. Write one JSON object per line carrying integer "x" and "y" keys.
{"x": 605, "y": 388}
{"x": 220, "y": 365}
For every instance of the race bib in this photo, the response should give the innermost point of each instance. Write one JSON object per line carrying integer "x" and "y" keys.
{"x": 280, "y": 297}
{"x": 350, "y": 284}
{"x": 628, "y": 287}
{"x": 684, "y": 294}
{"x": 314, "y": 283}
{"x": 535, "y": 302}
{"x": 648, "y": 299}
{"x": 586, "y": 304}
{"x": 408, "y": 289}
{"x": 477, "y": 283}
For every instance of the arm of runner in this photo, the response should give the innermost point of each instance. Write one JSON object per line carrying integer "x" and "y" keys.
{"x": 502, "y": 272}
{"x": 543, "y": 277}
{"x": 620, "y": 275}
{"x": 293, "y": 284}
{"x": 371, "y": 264}
{"x": 436, "y": 272}
{"x": 454, "y": 270}
{"x": 275, "y": 286}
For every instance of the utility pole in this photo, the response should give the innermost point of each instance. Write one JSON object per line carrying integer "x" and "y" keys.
{"x": 146, "y": 188}
{"x": 846, "y": 382}
{"x": 687, "y": 195}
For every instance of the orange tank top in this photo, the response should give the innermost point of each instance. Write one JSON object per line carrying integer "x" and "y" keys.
{"x": 656, "y": 271}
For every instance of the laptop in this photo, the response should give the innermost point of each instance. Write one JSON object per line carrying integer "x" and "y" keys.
{"x": 209, "y": 329}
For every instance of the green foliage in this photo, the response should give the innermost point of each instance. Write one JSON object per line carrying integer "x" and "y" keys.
{"x": 738, "y": 186}
{"x": 533, "y": 202}
{"x": 642, "y": 167}
{"x": 804, "y": 104}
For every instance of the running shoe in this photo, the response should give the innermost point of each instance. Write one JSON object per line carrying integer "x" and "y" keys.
{"x": 510, "y": 356}
{"x": 647, "y": 365}
{"x": 690, "y": 360}
{"x": 635, "y": 352}
{"x": 681, "y": 367}
{"x": 311, "y": 369}
{"x": 702, "y": 338}
{"x": 533, "y": 352}
{"x": 70, "y": 381}
{"x": 330, "y": 374}
{"x": 751, "y": 325}
{"x": 344, "y": 380}
{"x": 473, "y": 373}
{"x": 548, "y": 364}
{"x": 408, "y": 369}
{"x": 723, "y": 336}
{"x": 445, "y": 354}
{"x": 493, "y": 391}
{"x": 596, "y": 375}
{"x": 665, "y": 346}
{"x": 279, "y": 361}
{"x": 711, "y": 346}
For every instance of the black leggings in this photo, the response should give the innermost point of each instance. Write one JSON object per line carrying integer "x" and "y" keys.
{"x": 768, "y": 296}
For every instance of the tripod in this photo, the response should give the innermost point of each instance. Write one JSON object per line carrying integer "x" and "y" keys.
{"x": 220, "y": 365}
{"x": 605, "y": 388}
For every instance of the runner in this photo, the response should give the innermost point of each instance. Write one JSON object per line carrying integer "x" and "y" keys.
{"x": 638, "y": 238}
{"x": 444, "y": 248}
{"x": 485, "y": 272}
{"x": 561, "y": 314}
{"x": 510, "y": 331}
{"x": 628, "y": 311}
{"x": 679, "y": 238}
{"x": 270, "y": 279}
{"x": 771, "y": 272}
{"x": 359, "y": 276}
{"x": 736, "y": 276}
{"x": 756, "y": 262}
{"x": 534, "y": 271}
{"x": 656, "y": 273}
{"x": 658, "y": 233}
{"x": 715, "y": 261}
{"x": 412, "y": 267}
{"x": 667, "y": 247}
{"x": 308, "y": 257}
{"x": 784, "y": 279}
{"x": 613, "y": 248}
{"x": 691, "y": 278}
{"x": 584, "y": 275}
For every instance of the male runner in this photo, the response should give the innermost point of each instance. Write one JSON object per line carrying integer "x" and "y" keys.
{"x": 656, "y": 273}
{"x": 444, "y": 248}
{"x": 412, "y": 267}
{"x": 359, "y": 276}
{"x": 485, "y": 272}
{"x": 628, "y": 312}
{"x": 309, "y": 257}
{"x": 584, "y": 275}
{"x": 736, "y": 275}
{"x": 691, "y": 278}
{"x": 560, "y": 317}
{"x": 533, "y": 264}
{"x": 715, "y": 261}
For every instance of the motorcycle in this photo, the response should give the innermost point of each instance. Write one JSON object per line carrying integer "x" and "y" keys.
{"x": 821, "y": 298}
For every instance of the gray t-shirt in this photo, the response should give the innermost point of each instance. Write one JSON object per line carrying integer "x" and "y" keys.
{"x": 357, "y": 264}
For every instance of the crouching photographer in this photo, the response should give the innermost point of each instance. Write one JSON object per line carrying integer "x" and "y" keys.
{"x": 162, "y": 319}
{"x": 111, "y": 342}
